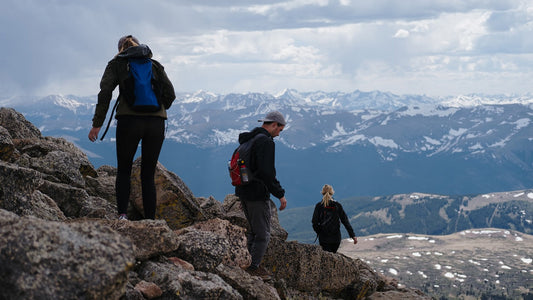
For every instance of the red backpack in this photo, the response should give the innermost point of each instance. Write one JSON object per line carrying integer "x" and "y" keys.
{"x": 239, "y": 164}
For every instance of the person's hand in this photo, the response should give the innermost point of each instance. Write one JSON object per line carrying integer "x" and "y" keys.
{"x": 93, "y": 134}
{"x": 283, "y": 203}
{"x": 354, "y": 240}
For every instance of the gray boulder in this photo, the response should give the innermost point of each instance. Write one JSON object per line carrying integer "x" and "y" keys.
{"x": 176, "y": 203}
{"x": 179, "y": 283}
{"x": 19, "y": 193}
{"x": 57, "y": 158}
{"x": 17, "y": 126}
{"x": 7, "y": 148}
{"x": 204, "y": 250}
{"x": 210, "y": 243}
{"x": 212, "y": 207}
{"x": 54, "y": 260}
{"x": 44, "y": 177}
{"x": 250, "y": 287}
{"x": 103, "y": 184}
{"x": 151, "y": 238}
{"x": 308, "y": 268}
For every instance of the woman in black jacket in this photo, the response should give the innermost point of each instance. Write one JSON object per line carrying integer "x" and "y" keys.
{"x": 326, "y": 219}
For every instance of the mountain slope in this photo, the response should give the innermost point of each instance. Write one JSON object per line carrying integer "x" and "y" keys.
{"x": 490, "y": 263}
{"x": 363, "y": 143}
{"x": 423, "y": 214}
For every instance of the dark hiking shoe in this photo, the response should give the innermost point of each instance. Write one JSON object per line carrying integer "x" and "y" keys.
{"x": 260, "y": 272}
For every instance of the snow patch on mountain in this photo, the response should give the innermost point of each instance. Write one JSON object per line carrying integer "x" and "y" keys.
{"x": 501, "y": 143}
{"x": 381, "y": 142}
{"x": 225, "y": 137}
{"x": 337, "y": 132}
{"x": 67, "y": 103}
{"x": 181, "y": 135}
{"x": 427, "y": 110}
{"x": 480, "y": 100}
{"x": 455, "y": 133}
{"x": 348, "y": 141}
{"x": 521, "y": 123}
{"x": 432, "y": 141}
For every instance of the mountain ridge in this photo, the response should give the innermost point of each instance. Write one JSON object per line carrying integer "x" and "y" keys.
{"x": 366, "y": 109}
{"x": 379, "y": 143}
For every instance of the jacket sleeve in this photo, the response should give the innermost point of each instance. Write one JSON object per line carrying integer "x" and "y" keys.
{"x": 108, "y": 83}
{"x": 266, "y": 171}
{"x": 316, "y": 219}
{"x": 165, "y": 93}
{"x": 345, "y": 221}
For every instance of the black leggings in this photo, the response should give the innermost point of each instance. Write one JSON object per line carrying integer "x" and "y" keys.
{"x": 131, "y": 130}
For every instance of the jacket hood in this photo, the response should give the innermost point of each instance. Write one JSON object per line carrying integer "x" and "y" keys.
{"x": 141, "y": 51}
{"x": 246, "y": 136}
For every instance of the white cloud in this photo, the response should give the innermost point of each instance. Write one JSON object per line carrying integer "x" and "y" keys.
{"x": 401, "y": 33}
{"x": 437, "y": 47}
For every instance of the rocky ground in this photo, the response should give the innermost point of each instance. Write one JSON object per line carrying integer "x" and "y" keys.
{"x": 59, "y": 237}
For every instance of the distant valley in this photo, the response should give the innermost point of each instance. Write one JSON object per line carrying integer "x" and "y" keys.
{"x": 471, "y": 264}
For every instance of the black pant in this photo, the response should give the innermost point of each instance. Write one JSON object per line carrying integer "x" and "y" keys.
{"x": 331, "y": 247}
{"x": 151, "y": 132}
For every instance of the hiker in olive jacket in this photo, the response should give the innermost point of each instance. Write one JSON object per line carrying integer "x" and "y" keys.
{"x": 116, "y": 72}
{"x": 134, "y": 126}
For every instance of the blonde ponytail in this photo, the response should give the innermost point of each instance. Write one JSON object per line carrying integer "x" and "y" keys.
{"x": 327, "y": 192}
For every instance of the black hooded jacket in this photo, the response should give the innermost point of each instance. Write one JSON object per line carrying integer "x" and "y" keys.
{"x": 340, "y": 217}
{"x": 262, "y": 167}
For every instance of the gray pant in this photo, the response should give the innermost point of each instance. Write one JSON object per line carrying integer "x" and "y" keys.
{"x": 258, "y": 215}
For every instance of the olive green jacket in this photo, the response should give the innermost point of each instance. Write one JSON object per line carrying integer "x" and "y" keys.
{"x": 116, "y": 72}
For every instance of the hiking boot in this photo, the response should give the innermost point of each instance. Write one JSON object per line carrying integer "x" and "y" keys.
{"x": 123, "y": 217}
{"x": 260, "y": 272}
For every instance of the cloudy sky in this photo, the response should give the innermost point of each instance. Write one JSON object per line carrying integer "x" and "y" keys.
{"x": 432, "y": 47}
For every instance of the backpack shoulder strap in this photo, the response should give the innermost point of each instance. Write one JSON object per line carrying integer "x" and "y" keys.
{"x": 110, "y": 119}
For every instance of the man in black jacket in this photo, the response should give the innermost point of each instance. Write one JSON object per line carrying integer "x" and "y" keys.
{"x": 255, "y": 196}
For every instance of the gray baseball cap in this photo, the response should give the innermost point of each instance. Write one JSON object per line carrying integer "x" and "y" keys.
{"x": 274, "y": 116}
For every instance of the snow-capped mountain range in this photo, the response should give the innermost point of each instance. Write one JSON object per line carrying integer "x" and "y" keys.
{"x": 365, "y": 136}
{"x": 337, "y": 120}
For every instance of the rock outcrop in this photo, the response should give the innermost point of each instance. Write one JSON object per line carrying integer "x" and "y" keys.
{"x": 42, "y": 259}
{"x": 59, "y": 237}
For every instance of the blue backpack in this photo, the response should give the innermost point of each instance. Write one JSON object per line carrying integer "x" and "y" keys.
{"x": 138, "y": 88}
